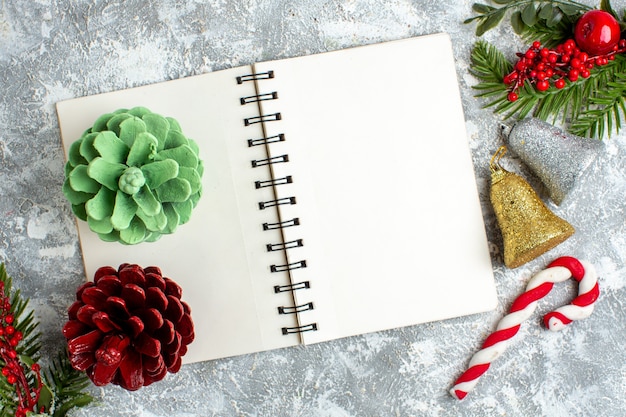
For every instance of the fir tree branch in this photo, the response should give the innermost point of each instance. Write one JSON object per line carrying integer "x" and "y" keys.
{"x": 19, "y": 350}
{"x": 67, "y": 385}
{"x": 607, "y": 107}
{"x": 490, "y": 66}
{"x": 30, "y": 343}
{"x": 588, "y": 107}
{"x": 61, "y": 387}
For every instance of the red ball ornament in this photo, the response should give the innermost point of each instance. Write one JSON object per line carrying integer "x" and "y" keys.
{"x": 597, "y": 32}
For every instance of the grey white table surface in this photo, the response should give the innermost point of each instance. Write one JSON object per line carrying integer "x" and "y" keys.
{"x": 58, "y": 49}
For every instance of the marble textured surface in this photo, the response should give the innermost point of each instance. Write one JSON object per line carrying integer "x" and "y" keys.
{"x": 58, "y": 49}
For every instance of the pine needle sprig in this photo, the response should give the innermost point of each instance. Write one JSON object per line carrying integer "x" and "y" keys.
{"x": 490, "y": 66}
{"x": 488, "y": 63}
{"x": 6, "y": 398}
{"x": 66, "y": 385}
{"x": 607, "y": 107}
{"x": 24, "y": 388}
{"x": 19, "y": 348}
{"x": 30, "y": 344}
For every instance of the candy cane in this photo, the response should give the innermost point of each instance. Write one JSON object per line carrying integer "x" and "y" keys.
{"x": 538, "y": 287}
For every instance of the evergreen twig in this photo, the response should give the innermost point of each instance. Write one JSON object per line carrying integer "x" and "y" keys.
{"x": 608, "y": 106}
{"x": 67, "y": 385}
{"x": 61, "y": 387}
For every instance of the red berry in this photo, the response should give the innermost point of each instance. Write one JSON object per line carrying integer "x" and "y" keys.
{"x": 536, "y": 44}
{"x": 512, "y": 96}
{"x": 509, "y": 78}
{"x": 543, "y": 85}
{"x": 597, "y": 32}
{"x": 572, "y": 75}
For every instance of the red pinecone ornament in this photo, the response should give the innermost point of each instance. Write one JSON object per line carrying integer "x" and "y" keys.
{"x": 128, "y": 327}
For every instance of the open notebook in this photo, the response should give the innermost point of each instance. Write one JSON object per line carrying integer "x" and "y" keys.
{"x": 367, "y": 194}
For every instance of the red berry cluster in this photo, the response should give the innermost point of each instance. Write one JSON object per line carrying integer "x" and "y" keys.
{"x": 12, "y": 368}
{"x": 544, "y": 67}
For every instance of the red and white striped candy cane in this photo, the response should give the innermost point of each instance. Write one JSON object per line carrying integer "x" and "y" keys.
{"x": 538, "y": 287}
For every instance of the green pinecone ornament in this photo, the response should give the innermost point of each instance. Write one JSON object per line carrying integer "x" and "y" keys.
{"x": 133, "y": 176}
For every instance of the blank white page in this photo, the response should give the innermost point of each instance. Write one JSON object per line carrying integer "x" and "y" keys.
{"x": 385, "y": 187}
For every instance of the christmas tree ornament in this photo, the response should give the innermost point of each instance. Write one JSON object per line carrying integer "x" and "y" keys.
{"x": 597, "y": 32}
{"x": 528, "y": 227}
{"x": 128, "y": 327}
{"x": 133, "y": 176}
{"x": 523, "y": 307}
{"x": 556, "y": 157}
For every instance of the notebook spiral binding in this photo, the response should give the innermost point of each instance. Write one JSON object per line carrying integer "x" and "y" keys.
{"x": 276, "y": 182}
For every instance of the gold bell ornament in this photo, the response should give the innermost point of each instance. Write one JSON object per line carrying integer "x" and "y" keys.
{"x": 558, "y": 158}
{"x": 528, "y": 227}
